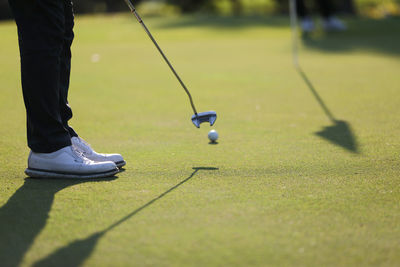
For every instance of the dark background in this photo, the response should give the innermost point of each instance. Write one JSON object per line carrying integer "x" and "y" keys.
{"x": 186, "y": 6}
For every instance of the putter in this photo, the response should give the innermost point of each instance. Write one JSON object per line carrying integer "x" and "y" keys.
{"x": 197, "y": 118}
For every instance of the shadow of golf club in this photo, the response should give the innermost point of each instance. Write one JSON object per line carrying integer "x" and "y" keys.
{"x": 25, "y": 215}
{"x": 75, "y": 253}
{"x": 340, "y": 132}
{"x": 314, "y": 92}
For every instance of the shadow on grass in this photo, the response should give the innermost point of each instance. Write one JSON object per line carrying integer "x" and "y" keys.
{"x": 25, "y": 214}
{"x": 363, "y": 34}
{"x": 75, "y": 253}
{"x": 339, "y": 133}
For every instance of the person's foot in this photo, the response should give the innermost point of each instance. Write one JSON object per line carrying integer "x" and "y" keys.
{"x": 333, "y": 24}
{"x": 67, "y": 163}
{"x": 307, "y": 25}
{"x": 82, "y": 146}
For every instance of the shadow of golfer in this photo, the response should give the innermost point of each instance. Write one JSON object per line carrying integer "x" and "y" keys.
{"x": 75, "y": 253}
{"x": 25, "y": 214}
{"x": 340, "y": 132}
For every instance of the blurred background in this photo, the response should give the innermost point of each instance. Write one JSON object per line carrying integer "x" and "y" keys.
{"x": 370, "y": 8}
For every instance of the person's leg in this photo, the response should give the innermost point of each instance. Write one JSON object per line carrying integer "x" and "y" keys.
{"x": 301, "y": 8}
{"x": 326, "y": 8}
{"x": 306, "y": 23}
{"x": 40, "y": 32}
{"x": 330, "y": 22}
{"x": 65, "y": 71}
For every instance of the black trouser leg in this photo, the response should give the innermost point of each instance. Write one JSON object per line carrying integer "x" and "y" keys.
{"x": 41, "y": 29}
{"x": 301, "y": 8}
{"x": 326, "y": 8}
{"x": 65, "y": 109}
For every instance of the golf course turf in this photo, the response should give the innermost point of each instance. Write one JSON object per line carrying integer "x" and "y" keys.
{"x": 306, "y": 170}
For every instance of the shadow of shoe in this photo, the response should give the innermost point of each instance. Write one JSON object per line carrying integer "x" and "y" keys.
{"x": 25, "y": 214}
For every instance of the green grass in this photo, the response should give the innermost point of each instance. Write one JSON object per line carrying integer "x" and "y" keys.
{"x": 281, "y": 194}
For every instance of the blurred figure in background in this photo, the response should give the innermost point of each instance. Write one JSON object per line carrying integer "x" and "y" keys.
{"x": 329, "y": 23}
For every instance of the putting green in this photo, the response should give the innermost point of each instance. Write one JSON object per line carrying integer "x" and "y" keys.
{"x": 306, "y": 171}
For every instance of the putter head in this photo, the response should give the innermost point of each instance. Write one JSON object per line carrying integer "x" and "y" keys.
{"x": 199, "y": 118}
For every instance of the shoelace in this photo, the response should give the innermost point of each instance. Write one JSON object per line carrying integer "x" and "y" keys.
{"x": 84, "y": 147}
{"x": 79, "y": 156}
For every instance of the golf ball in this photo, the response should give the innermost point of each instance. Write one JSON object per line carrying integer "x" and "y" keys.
{"x": 213, "y": 135}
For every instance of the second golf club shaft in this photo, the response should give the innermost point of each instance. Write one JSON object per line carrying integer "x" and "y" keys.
{"x": 133, "y": 10}
{"x": 293, "y": 23}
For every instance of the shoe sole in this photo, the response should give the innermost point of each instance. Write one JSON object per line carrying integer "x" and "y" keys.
{"x": 36, "y": 173}
{"x": 120, "y": 164}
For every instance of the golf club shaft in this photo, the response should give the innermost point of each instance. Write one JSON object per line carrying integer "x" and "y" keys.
{"x": 133, "y": 10}
{"x": 293, "y": 22}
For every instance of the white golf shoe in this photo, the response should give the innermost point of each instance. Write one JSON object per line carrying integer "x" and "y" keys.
{"x": 307, "y": 25}
{"x": 334, "y": 24}
{"x": 82, "y": 146}
{"x": 67, "y": 163}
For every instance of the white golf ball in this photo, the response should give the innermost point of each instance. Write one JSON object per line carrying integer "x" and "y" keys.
{"x": 213, "y": 135}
